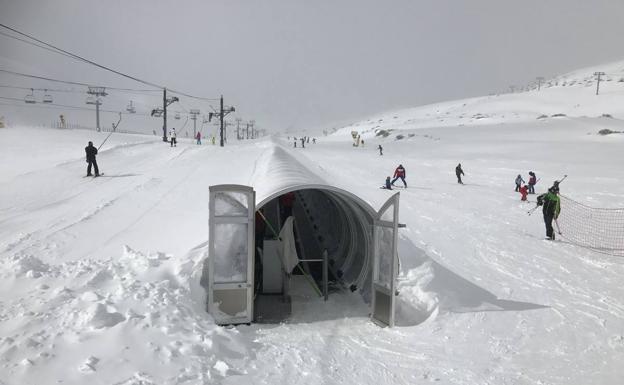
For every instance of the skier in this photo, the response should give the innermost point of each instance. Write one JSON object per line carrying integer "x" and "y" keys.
{"x": 380, "y": 149}
{"x": 91, "y": 153}
{"x": 399, "y": 173}
{"x": 303, "y": 142}
{"x": 213, "y": 140}
{"x": 524, "y": 190}
{"x": 459, "y": 172}
{"x": 313, "y": 140}
{"x": 551, "y": 208}
{"x": 362, "y": 143}
{"x": 519, "y": 182}
{"x": 295, "y": 143}
{"x": 388, "y": 185}
{"x": 532, "y": 182}
{"x": 198, "y": 137}
{"x": 172, "y": 134}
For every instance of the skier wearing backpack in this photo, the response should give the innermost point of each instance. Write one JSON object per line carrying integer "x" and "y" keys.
{"x": 532, "y": 182}
{"x": 551, "y": 208}
{"x": 399, "y": 173}
{"x": 519, "y": 182}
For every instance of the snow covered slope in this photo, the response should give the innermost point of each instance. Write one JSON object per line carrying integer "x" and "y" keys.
{"x": 572, "y": 95}
{"x": 100, "y": 278}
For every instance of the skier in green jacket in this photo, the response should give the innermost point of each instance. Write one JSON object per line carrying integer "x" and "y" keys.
{"x": 551, "y": 208}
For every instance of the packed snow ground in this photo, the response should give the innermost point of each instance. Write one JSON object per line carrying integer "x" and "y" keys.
{"x": 99, "y": 278}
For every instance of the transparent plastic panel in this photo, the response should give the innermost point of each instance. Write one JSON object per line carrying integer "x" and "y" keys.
{"x": 383, "y": 307}
{"x": 230, "y": 249}
{"x": 388, "y": 215}
{"x": 231, "y": 204}
{"x": 230, "y": 303}
{"x": 385, "y": 237}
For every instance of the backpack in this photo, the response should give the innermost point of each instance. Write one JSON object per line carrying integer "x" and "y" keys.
{"x": 540, "y": 199}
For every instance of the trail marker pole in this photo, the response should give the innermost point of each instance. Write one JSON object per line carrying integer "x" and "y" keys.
{"x": 598, "y": 74}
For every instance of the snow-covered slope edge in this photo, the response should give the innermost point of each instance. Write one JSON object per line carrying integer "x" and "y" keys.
{"x": 571, "y": 95}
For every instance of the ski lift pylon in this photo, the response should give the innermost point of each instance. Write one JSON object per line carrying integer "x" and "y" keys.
{"x": 30, "y": 98}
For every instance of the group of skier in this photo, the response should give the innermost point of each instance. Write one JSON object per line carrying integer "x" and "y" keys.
{"x": 304, "y": 140}
{"x": 399, "y": 173}
{"x": 526, "y": 188}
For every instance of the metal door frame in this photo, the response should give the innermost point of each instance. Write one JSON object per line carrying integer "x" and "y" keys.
{"x": 378, "y": 289}
{"x": 248, "y": 219}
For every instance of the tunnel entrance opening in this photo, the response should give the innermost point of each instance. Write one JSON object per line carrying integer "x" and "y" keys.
{"x": 332, "y": 241}
{"x": 284, "y": 258}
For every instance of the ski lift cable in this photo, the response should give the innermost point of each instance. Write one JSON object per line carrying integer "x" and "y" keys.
{"x": 80, "y": 58}
{"x": 73, "y": 82}
{"x": 39, "y": 89}
{"x": 31, "y": 43}
{"x": 60, "y": 106}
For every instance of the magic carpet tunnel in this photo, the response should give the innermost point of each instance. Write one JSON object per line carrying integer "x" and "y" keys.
{"x": 333, "y": 242}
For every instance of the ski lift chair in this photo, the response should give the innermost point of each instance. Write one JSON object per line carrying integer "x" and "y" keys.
{"x": 90, "y": 100}
{"x": 47, "y": 98}
{"x": 30, "y": 99}
{"x": 131, "y": 108}
{"x": 177, "y": 116}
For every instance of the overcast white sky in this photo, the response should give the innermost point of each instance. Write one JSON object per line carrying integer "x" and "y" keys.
{"x": 300, "y": 64}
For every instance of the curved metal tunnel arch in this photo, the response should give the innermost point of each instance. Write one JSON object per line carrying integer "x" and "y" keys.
{"x": 353, "y": 258}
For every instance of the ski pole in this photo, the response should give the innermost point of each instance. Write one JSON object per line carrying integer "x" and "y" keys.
{"x": 558, "y": 228}
{"x": 533, "y": 209}
{"x": 565, "y": 176}
{"x": 111, "y": 133}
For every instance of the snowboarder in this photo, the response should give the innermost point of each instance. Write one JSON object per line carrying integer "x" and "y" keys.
{"x": 380, "y": 149}
{"x": 459, "y": 172}
{"x": 532, "y": 182}
{"x": 551, "y": 208}
{"x": 91, "y": 153}
{"x": 524, "y": 190}
{"x": 519, "y": 182}
{"x": 388, "y": 185}
{"x": 172, "y": 135}
{"x": 399, "y": 173}
{"x": 198, "y": 137}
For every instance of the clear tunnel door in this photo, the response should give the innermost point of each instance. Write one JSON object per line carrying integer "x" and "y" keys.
{"x": 231, "y": 253}
{"x": 385, "y": 262}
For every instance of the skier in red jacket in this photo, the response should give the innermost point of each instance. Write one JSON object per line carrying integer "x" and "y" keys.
{"x": 399, "y": 173}
{"x": 524, "y": 190}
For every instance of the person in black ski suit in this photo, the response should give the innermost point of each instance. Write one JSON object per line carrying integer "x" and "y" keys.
{"x": 459, "y": 172}
{"x": 91, "y": 153}
{"x": 380, "y": 149}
